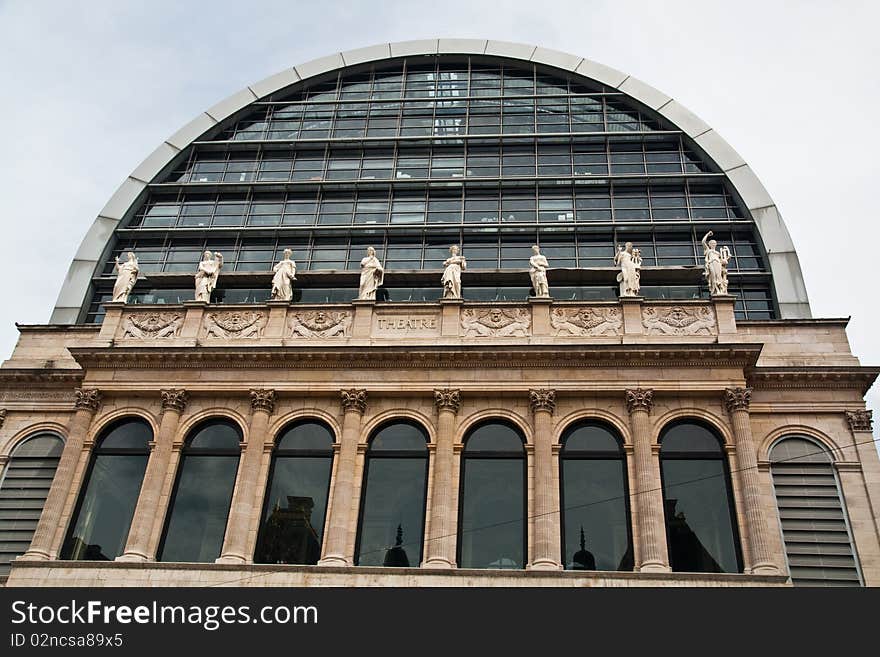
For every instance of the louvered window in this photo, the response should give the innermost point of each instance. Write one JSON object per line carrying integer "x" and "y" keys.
{"x": 23, "y": 490}
{"x": 818, "y": 543}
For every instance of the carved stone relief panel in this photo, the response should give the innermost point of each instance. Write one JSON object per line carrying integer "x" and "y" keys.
{"x": 319, "y": 324}
{"x": 151, "y": 325}
{"x": 235, "y": 324}
{"x": 496, "y": 322}
{"x": 679, "y": 320}
{"x": 586, "y": 321}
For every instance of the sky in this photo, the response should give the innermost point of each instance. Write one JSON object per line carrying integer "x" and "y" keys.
{"x": 92, "y": 87}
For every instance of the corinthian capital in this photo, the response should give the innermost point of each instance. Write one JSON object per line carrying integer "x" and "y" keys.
{"x": 448, "y": 399}
{"x": 542, "y": 400}
{"x": 860, "y": 420}
{"x": 354, "y": 399}
{"x": 263, "y": 400}
{"x": 87, "y": 398}
{"x": 639, "y": 399}
{"x": 2, "y": 417}
{"x": 174, "y": 399}
{"x": 737, "y": 399}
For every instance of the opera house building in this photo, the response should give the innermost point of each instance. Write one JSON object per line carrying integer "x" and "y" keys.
{"x": 438, "y": 313}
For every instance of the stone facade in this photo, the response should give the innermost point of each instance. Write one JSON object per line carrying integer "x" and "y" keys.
{"x": 541, "y": 366}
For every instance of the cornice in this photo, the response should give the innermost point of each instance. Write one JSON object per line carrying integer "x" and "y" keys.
{"x": 410, "y": 357}
{"x": 46, "y": 377}
{"x": 789, "y": 378}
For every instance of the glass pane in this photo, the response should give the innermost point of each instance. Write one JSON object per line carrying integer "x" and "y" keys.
{"x": 591, "y": 438}
{"x": 306, "y": 435}
{"x": 492, "y": 533}
{"x": 105, "y": 512}
{"x": 197, "y": 519}
{"x": 42, "y": 446}
{"x": 128, "y": 435}
{"x": 216, "y": 435}
{"x": 494, "y": 438}
{"x": 596, "y": 519}
{"x": 393, "y": 515}
{"x": 399, "y": 437}
{"x": 699, "y": 522}
{"x": 689, "y": 437}
{"x": 799, "y": 450}
{"x": 292, "y": 527}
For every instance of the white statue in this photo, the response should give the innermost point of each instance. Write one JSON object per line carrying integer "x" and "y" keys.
{"x": 285, "y": 275}
{"x": 538, "y": 267}
{"x": 630, "y": 261}
{"x": 452, "y": 268}
{"x": 716, "y": 261}
{"x": 372, "y": 275}
{"x": 125, "y": 278}
{"x": 207, "y": 275}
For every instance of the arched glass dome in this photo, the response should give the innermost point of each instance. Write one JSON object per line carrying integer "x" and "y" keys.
{"x": 410, "y": 149}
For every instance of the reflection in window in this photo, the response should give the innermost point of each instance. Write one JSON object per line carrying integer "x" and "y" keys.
{"x": 392, "y": 520}
{"x": 23, "y": 490}
{"x": 292, "y": 526}
{"x": 492, "y": 505}
{"x": 818, "y": 544}
{"x": 196, "y": 522}
{"x": 700, "y": 521}
{"x": 110, "y": 493}
{"x": 595, "y": 525}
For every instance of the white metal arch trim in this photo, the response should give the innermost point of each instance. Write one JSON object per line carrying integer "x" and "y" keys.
{"x": 791, "y": 294}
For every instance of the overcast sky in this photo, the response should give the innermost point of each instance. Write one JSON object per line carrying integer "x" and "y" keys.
{"x": 92, "y": 87}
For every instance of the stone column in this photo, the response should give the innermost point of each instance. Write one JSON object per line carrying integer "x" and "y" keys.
{"x": 87, "y": 402}
{"x": 242, "y": 507}
{"x": 737, "y": 402}
{"x": 648, "y": 493}
{"x": 546, "y": 543}
{"x": 354, "y": 403}
{"x": 147, "y": 511}
{"x": 861, "y": 423}
{"x": 444, "y": 515}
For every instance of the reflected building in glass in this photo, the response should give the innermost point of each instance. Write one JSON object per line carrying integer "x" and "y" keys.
{"x": 503, "y": 438}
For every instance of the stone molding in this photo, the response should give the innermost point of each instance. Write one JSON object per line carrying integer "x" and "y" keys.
{"x": 447, "y": 399}
{"x": 639, "y": 399}
{"x": 542, "y": 399}
{"x": 354, "y": 399}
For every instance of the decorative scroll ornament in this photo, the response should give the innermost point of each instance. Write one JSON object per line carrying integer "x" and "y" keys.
{"x": 447, "y": 399}
{"x": 234, "y": 325}
{"x": 586, "y": 321}
{"x": 2, "y": 417}
{"x": 860, "y": 420}
{"x": 174, "y": 399}
{"x": 639, "y": 399}
{"x": 679, "y": 320}
{"x": 263, "y": 400}
{"x": 319, "y": 324}
{"x": 354, "y": 399}
{"x": 496, "y": 322}
{"x": 152, "y": 325}
{"x": 737, "y": 399}
{"x": 542, "y": 400}
{"x": 87, "y": 398}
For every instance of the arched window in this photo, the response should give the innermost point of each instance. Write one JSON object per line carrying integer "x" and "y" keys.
{"x": 196, "y": 521}
{"x": 109, "y": 493}
{"x": 492, "y": 498}
{"x": 595, "y": 500}
{"x": 818, "y": 544}
{"x": 23, "y": 490}
{"x": 392, "y": 520}
{"x": 295, "y": 507}
{"x": 700, "y": 519}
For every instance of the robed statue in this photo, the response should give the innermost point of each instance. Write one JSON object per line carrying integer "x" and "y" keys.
{"x": 630, "y": 261}
{"x": 285, "y": 275}
{"x": 715, "y": 268}
{"x": 207, "y": 275}
{"x": 452, "y": 268}
{"x": 538, "y": 267}
{"x": 126, "y": 276}
{"x": 372, "y": 275}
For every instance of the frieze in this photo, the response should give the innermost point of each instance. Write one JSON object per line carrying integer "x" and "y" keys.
{"x": 496, "y": 322}
{"x": 585, "y": 321}
{"x": 408, "y": 323}
{"x": 234, "y": 325}
{"x": 319, "y": 324}
{"x": 151, "y": 325}
{"x": 679, "y": 320}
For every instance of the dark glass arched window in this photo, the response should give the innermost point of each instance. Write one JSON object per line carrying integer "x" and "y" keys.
{"x": 292, "y": 526}
{"x": 492, "y": 498}
{"x": 23, "y": 490}
{"x": 196, "y": 521}
{"x": 818, "y": 544}
{"x": 110, "y": 493}
{"x": 698, "y": 500}
{"x": 595, "y": 499}
{"x": 392, "y": 520}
